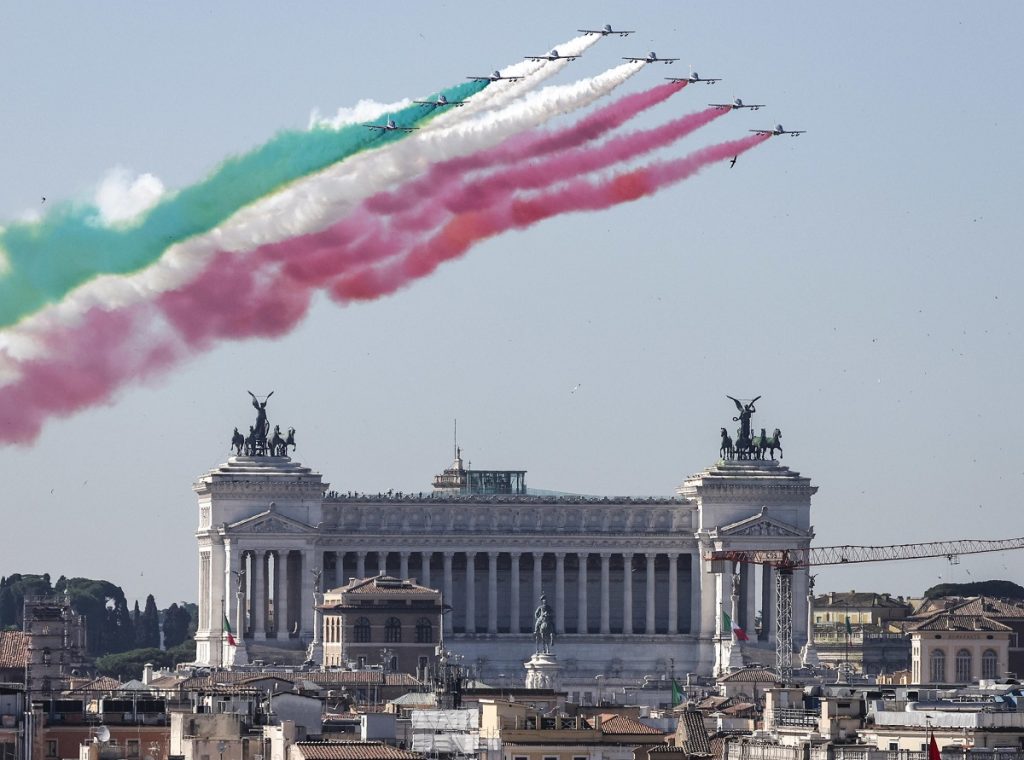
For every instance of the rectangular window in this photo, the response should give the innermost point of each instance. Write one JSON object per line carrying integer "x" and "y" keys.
{"x": 894, "y": 746}
{"x": 132, "y": 745}
{"x": 51, "y": 748}
{"x": 520, "y": 757}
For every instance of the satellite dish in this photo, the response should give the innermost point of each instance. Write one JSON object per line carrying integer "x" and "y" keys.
{"x": 103, "y": 734}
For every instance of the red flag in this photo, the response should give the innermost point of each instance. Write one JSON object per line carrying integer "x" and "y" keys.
{"x": 933, "y": 749}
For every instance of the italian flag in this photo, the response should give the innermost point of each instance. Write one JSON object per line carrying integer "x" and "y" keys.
{"x": 727, "y": 623}
{"x": 227, "y": 630}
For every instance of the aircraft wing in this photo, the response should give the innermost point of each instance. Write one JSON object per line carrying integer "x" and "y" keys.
{"x": 721, "y": 105}
{"x": 763, "y": 131}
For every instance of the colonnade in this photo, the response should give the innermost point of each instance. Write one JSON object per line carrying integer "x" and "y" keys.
{"x": 493, "y": 592}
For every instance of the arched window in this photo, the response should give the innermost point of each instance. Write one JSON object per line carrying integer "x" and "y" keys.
{"x": 361, "y": 630}
{"x": 393, "y": 630}
{"x": 424, "y": 631}
{"x": 989, "y": 664}
{"x": 937, "y": 666}
{"x": 963, "y": 666}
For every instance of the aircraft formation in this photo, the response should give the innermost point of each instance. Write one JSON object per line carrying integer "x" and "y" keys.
{"x": 496, "y": 76}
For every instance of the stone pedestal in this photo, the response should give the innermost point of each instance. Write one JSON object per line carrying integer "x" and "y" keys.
{"x": 542, "y": 671}
{"x": 237, "y": 655}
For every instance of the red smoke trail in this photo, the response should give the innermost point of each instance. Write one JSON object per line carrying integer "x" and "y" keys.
{"x": 362, "y": 239}
{"x": 362, "y": 236}
{"x": 456, "y": 237}
{"x": 236, "y": 298}
{"x": 494, "y": 188}
{"x": 529, "y": 145}
{"x": 83, "y": 367}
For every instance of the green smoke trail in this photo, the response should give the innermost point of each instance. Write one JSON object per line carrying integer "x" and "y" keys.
{"x": 49, "y": 258}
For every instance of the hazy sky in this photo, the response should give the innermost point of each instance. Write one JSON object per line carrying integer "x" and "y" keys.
{"x": 863, "y": 278}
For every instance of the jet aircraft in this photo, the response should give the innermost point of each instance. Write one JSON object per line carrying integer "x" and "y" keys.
{"x": 651, "y": 57}
{"x": 389, "y": 126}
{"x": 552, "y": 56}
{"x": 737, "y": 104}
{"x": 605, "y": 30}
{"x": 693, "y": 79}
{"x": 440, "y": 102}
{"x": 779, "y": 131}
{"x": 495, "y": 76}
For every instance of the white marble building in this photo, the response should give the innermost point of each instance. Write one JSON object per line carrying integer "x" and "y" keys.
{"x": 630, "y": 594}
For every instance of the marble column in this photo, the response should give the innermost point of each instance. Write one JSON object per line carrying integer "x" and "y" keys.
{"x": 514, "y": 625}
{"x": 492, "y": 592}
{"x": 649, "y": 628}
{"x": 673, "y": 594}
{"x": 382, "y": 562}
{"x": 403, "y": 567}
{"x": 259, "y": 595}
{"x": 425, "y": 568}
{"x": 538, "y": 577}
{"x": 448, "y": 600}
{"x": 606, "y": 593}
{"x": 306, "y": 600}
{"x": 750, "y": 597}
{"x": 361, "y": 564}
{"x": 581, "y": 594}
{"x": 470, "y": 592}
{"x": 284, "y": 627}
{"x": 560, "y": 593}
{"x": 710, "y": 614}
{"x": 627, "y": 592}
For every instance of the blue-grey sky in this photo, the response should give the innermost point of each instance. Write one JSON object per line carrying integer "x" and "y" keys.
{"x": 863, "y": 278}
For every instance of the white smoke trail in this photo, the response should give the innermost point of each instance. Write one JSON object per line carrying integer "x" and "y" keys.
{"x": 533, "y": 73}
{"x": 311, "y": 204}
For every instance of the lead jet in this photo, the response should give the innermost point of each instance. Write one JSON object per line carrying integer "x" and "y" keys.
{"x": 494, "y": 77}
{"x": 651, "y": 57}
{"x": 605, "y": 30}
{"x": 779, "y": 131}
{"x": 736, "y": 104}
{"x": 552, "y": 56}
{"x": 440, "y": 102}
{"x": 389, "y": 126}
{"x": 693, "y": 79}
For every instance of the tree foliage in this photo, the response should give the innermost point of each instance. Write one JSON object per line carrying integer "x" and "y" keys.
{"x": 147, "y": 627}
{"x": 995, "y": 588}
{"x": 125, "y": 666}
{"x": 177, "y": 622}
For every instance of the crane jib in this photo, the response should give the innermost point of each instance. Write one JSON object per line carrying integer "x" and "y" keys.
{"x": 839, "y": 555}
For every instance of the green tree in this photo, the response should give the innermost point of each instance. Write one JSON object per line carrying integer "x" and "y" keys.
{"x": 147, "y": 625}
{"x": 176, "y": 625}
{"x": 997, "y": 588}
{"x": 92, "y": 598}
{"x": 8, "y": 608}
{"x": 128, "y": 665}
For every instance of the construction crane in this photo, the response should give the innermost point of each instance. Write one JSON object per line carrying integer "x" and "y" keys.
{"x": 784, "y": 561}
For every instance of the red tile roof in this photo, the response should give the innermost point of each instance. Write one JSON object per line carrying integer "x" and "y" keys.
{"x": 621, "y": 724}
{"x": 353, "y": 751}
{"x": 950, "y": 621}
{"x": 13, "y": 649}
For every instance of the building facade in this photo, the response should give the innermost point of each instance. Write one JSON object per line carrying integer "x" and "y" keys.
{"x": 630, "y": 594}
{"x": 368, "y": 617}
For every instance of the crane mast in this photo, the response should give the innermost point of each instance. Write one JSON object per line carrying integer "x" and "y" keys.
{"x": 784, "y": 561}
